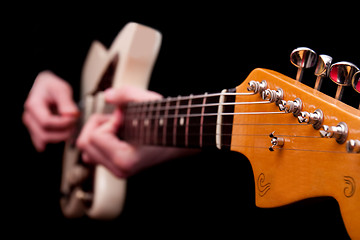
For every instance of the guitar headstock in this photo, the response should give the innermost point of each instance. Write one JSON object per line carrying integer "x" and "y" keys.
{"x": 301, "y": 143}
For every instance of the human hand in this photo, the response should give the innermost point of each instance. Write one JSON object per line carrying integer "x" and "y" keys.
{"x": 100, "y": 145}
{"x": 49, "y": 111}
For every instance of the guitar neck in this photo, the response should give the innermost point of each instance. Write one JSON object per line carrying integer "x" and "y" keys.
{"x": 193, "y": 121}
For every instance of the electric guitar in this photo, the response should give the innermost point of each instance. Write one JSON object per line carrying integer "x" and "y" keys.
{"x": 300, "y": 142}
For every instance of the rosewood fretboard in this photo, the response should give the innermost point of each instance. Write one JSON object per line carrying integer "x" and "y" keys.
{"x": 193, "y": 121}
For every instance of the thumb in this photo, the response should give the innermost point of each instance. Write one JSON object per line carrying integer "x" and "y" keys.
{"x": 62, "y": 97}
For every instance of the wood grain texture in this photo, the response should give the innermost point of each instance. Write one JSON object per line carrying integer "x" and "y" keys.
{"x": 307, "y": 165}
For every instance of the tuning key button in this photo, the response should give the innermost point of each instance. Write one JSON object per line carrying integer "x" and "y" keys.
{"x": 322, "y": 69}
{"x": 353, "y": 146}
{"x": 339, "y": 132}
{"x": 316, "y": 118}
{"x": 356, "y": 82}
{"x": 342, "y": 74}
{"x": 302, "y": 58}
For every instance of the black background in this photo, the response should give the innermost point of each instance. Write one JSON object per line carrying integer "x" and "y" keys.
{"x": 206, "y": 48}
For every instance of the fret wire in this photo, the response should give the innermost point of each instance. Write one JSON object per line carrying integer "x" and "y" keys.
{"x": 175, "y": 120}
{"x": 148, "y": 125}
{"x": 142, "y": 116}
{"x": 187, "y": 120}
{"x": 156, "y": 128}
{"x": 202, "y": 120}
{"x": 165, "y": 123}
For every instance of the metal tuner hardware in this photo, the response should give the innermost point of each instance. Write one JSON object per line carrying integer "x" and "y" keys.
{"x": 273, "y": 96}
{"x": 342, "y": 74}
{"x": 353, "y": 146}
{"x": 356, "y": 83}
{"x": 339, "y": 132}
{"x": 322, "y": 69}
{"x": 257, "y": 87}
{"x": 302, "y": 58}
{"x": 291, "y": 106}
{"x": 276, "y": 141}
{"x": 316, "y": 118}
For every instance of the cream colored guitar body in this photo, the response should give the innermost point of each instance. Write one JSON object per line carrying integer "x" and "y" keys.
{"x": 129, "y": 61}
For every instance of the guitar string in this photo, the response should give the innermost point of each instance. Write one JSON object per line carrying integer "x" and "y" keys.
{"x": 156, "y": 107}
{"x": 159, "y": 139}
{"x": 262, "y": 147}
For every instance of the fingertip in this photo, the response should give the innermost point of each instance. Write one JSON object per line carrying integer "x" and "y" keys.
{"x": 110, "y": 94}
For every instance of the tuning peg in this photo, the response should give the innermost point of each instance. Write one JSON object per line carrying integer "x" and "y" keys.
{"x": 342, "y": 73}
{"x": 356, "y": 83}
{"x": 322, "y": 69}
{"x": 302, "y": 58}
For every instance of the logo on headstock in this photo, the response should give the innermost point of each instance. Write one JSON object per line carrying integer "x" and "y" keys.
{"x": 350, "y": 188}
{"x": 262, "y": 186}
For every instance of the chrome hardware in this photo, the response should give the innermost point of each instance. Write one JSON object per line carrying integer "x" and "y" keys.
{"x": 302, "y": 58}
{"x": 291, "y": 106}
{"x": 339, "y": 132}
{"x": 276, "y": 141}
{"x": 322, "y": 69}
{"x": 355, "y": 81}
{"x": 353, "y": 146}
{"x": 342, "y": 73}
{"x": 272, "y": 95}
{"x": 257, "y": 87}
{"x": 316, "y": 118}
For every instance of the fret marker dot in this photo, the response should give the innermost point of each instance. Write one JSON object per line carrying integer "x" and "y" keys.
{"x": 161, "y": 121}
{"x": 146, "y": 122}
{"x": 134, "y": 122}
{"x": 182, "y": 121}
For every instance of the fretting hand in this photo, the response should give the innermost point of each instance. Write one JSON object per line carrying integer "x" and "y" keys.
{"x": 99, "y": 143}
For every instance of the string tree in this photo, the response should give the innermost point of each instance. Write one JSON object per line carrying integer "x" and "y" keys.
{"x": 276, "y": 141}
{"x": 302, "y": 58}
{"x": 342, "y": 73}
{"x": 322, "y": 69}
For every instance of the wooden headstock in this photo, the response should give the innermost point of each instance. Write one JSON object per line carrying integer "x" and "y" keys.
{"x": 303, "y": 164}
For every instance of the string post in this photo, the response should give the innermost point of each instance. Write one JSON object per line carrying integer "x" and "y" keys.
{"x": 353, "y": 146}
{"x": 316, "y": 118}
{"x": 257, "y": 87}
{"x": 273, "y": 95}
{"x": 291, "y": 106}
{"x": 339, "y": 132}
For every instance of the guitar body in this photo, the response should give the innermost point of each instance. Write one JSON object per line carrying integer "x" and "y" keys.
{"x": 307, "y": 165}
{"x": 89, "y": 190}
